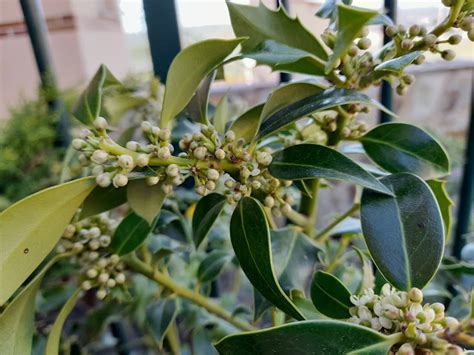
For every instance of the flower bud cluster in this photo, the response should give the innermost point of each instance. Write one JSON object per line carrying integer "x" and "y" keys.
{"x": 88, "y": 242}
{"x": 397, "y": 311}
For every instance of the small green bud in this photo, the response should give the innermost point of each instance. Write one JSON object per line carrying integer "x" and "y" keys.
{"x": 230, "y": 136}
{"x": 269, "y": 201}
{"x": 415, "y": 295}
{"x": 423, "y": 31}
{"x": 438, "y": 307}
{"x": 165, "y": 134}
{"x": 364, "y": 32}
{"x": 447, "y": 3}
{"x": 155, "y": 131}
{"x": 100, "y": 123}
{"x": 230, "y": 184}
{"x": 448, "y": 54}
{"x": 78, "y": 143}
{"x": 103, "y": 180}
{"x": 220, "y": 154}
{"x": 364, "y": 43}
{"x": 69, "y": 231}
{"x": 451, "y": 323}
{"x": 285, "y": 209}
{"x": 78, "y": 247}
{"x": 455, "y": 39}
{"x": 120, "y": 180}
{"x": 114, "y": 258}
{"x": 407, "y": 44}
{"x": 391, "y": 31}
{"x": 91, "y": 273}
{"x": 401, "y": 90}
{"x": 101, "y": 294}
{"x": 125, "y": 161}
{"x": 105, "y": 241}
{"x": 101, "y": 263}
{"x": 256, "y": 184}
{"x": 172, "y": 170}
{"x": 470, "y": 35}
{"x": 430, "y": 39}
{"x": 419, "y": 60}
{"x": 99, "y": 156}
{"x": 414, "y": 30}
{"x": 167, "y": 188}
{"x": 164, "y": 153}
{"x": 353, "y": 50}
{"x": 200, "y": 153}
{"x": 210, "y": 185}
{"x": 111, "y": 283}
{"x": 402, "y": 29}
{"x": 103, "y": 277}
{"x": 408, "y": 79}
{"x": 152, "y": 180}
{"x": 94, "y": 244}
{"x": 146, "y": 127}
{"x": 213, "y": 174}
{"x": 411, "y": 330}
{"x": 142, "y": 160}
{"x": 406, "y": 349}
{"x": 264, "y": 158}
{"x": 244, "y": 172}
{"x": 86, "y": 285}
{"x": 132, "y": 145}
{"x": 467, "y": 23}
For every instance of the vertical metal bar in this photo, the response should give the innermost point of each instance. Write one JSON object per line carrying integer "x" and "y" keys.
{"x": 38, "y": 33}
{"x": 284, "y": 77}
{"x": 387, "y": 91}
{"x": 466, "y": 193}
{"x": 163, "y": 34}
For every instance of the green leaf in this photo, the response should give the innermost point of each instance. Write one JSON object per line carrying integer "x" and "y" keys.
{"x": 307, "y": 161}
{"x": 400, "y": 147}
{"x": 397, "y": 65}
{"x": 212, "y": 265}
{"x": 404, "y": 233}
{"x": 350, "y": 22}
{"x": 221, "y": 114}
{"x": 206, "y": 213}
{"x": 246, "y": 125}
{"x": 444, "y": 202}
{"x": 119, "y": 104}
{"x": 54, "y": 337}
{"x": 146, "y": 201}
{"x": 31, "y": 228}
{"x": 197, "y": 107}
{"x": 103, "y": 199}
{"x": 285, "y": 58}
{"x": 314, "y": 103}
{"x": 250, "y": 237}
{"x": 188, "y": 69}
{"x": 330, "y": 296}
{"x": 261, "y": 24}
{"x": 88, "y": 106}
{"x": 130, "y": 233}
{"x": 329, "y": 8}
{"x": 309, "y": 337}
{"x": 160, "y": 316}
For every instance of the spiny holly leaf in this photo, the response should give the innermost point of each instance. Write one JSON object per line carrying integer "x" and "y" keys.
{"x": 350, "y": 22}
{"x": 261, "y": 24}
{"x": 250, "y": 237}
{"x": 88, "y": 106}
{"x": 401, "y": 147}
{"x": 330, "y": 296}
{"x": 31, "y": 228}
{"x": 188, "y": 69}
{"x": 314, "y": 103}
{"x": 308, "y": 338}
{"x": 404, "y": 233}
{"x": 307, "y": 161}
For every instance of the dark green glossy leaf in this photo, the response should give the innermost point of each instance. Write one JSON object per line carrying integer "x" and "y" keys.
{"x": 103, "y": 199}
{"x": 146, "y": 201}
{"x": 310, "y": 104}
{"x": 305, "y": 338}
{"x": 350, "y": 21}
{"x": 188, "y": 69}
{"x": 54, "y": 336}
{"x": 197, "y": 107}
{"x": 160, "y": 315}
{"x": 250, "y": 237}
{"x": 207, "y": 211}
{"x": 130, "y": 233}
{"x": 397, "y": 65}
{"x": 404, "y": 233}
{"x": 261, "y": 24}
{"x": 444, "y": 202}
{"x": 278, "y": 56}
{"x": 88, "y": 106}
{"x": 212, "y": 265}
{"x": 306, "y": 161}
{"x": 330, "y": 296}
{"x": 400, "y": 147}
{"x": 246, "y": 125}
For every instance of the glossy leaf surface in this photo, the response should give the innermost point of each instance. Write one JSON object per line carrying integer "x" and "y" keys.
{"x": 212, "y": 265}
{"x": 310, "y": 104}
{"x": 160, "y": 316}
{"x": 188, "y": 69}
{"x": 261, "y": 24}
{"x": 246, "y": 125}
{"x": 103, "y": 199}
{"x": 197, "y": 107}
{"x": 330, "y": 296}
{"x": 31, "y": 228}
{"x": 206, "y": 213}
{"x": 250, "y": 237}
{"x": 444, "y": 202}
{"x": 88, "y": 106}
{"x": 130, "y": 233}
{"x": 404, "y": 233}
{"x": 221, "y": 114}
{"x": 397, "y": 65}
{"x": 401, "y": 147}
{"x": 146, "y": 201}
{"x": 308, "y": 337}
{"x": 306, "y": 161}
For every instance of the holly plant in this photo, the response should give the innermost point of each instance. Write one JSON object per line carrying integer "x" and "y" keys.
{"x": 195, "y": 230}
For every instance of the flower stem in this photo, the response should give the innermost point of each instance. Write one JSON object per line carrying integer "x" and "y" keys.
{"x": 321, "y": 236}
{"x": 138, "y": 266}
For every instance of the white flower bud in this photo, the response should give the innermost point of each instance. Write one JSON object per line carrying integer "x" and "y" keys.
{"x": 230, "y": 136}
{"x": 78, "y": 143}
{"x": 415, "y": 295}
{"x": 103, "y": 180}
{"x": 146, "y": 127}
{"x": 237, "y": 196}
{"x": 100, "y": 123}
{"x": 269, "y": 201}
{"x": 285, "y": 209}
{"x": 172, "y": 170}
{"x": 230, "y": 184}
{"x": 60, "y": 249}
{"x": 114, "y": 258}
{"x": 132, "y": 145}
{"x": 244, "y": 172}
{"x": 220, "y": 154}
{"x": 210, "y": 185}
{"x": 69, "y": 231}
{"x": 92, "y": 273}
{"x": 77, "y": 247}
{"x": 212, "y": 174}
{"x": 451, "y": 323}
{"x": 406, "y": 349}
{"x": 264, "y": 158}
{"x": 142, "y": 160}
{"x": 111, "y": 283}
{"x": 155, "y": 131}
{"x": 187, "y": 138}
{"x": 164, "y": 153}
{"x": 83, "y": 160}
{"x": 103, "y": 277}
{"x": 182, "y": 144}
{"x": 97, "y": 170}
{"x": 256, "y": 184}
{"x": 93, "y": 255}
{"x": 200, "y": 153}
{"x": 177, "y": 180}
{"x": 99, "y": 156}
{"x": 120, "y": 180}
{"x": 101, "y": 294}
{"x": 85, "y": 133}
{"x": 120, "y": 278}
{"x": 86, "y": 285}
{"x": 165, "y": 134}
{"x": 152, "y": 180}
{"x": 101, "y": 263}
{"x": 94, "y": 232}
{"x": 94, "y": 244}
{"x": 201, "y": 190}
{"x": 125, "y": 161}
{"x": 167, "y": 188}
{"x": 105, "y": 241}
